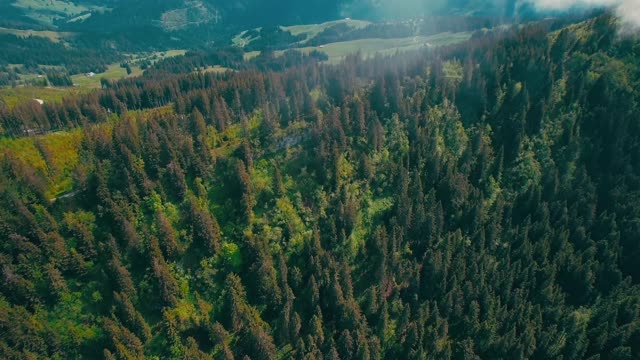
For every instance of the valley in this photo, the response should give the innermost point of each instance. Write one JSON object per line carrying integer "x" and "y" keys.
{"x": 30, "y": 79}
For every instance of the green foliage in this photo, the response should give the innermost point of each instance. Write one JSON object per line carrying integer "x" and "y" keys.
{"x": 55, "y": 156}
{"x": 231, "y": 255}
{"x": 287, "y": 217}
{"x": 527, "y": 171}
{"x": 365, "y": 210}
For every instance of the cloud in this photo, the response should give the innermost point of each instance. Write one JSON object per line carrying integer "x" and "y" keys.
{"x": 568, "y": 4}
{"x": 402, "y": 9}
{"x": 389, "y": 9}
{"x": 627, "y": 10}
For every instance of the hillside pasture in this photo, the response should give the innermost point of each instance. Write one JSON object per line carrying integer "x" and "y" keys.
{"x": 12, "y": 96}
{"x": 54, "y": 36}
{"x": 156, "y": 56}
{"x": 311, "y": 30}
{"x": 46, "y": 11}
{"x": 114, "y": 72}
{"x": 369, "y": 47}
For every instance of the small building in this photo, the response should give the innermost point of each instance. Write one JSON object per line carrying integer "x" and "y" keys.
{"x": 32, "y": 132}
{"x": 91, "y": 74}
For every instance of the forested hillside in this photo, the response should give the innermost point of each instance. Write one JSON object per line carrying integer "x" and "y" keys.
{"x": 477, "y": 201}
{"x": 160, "y": 24}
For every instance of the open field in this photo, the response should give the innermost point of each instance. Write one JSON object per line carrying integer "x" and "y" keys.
{"x": 169, "y": 53}
{"x": 195, "y": 12}
{"x": 242, "y": 40}
{"x": 155, "y": 56}
{"x": 216, "y": 69}
{"x": 250, "y": 55}
{"x": 79, "y": 18}
{"x": 47, "y": 11}
{"x": 114, "y": 72}
{"x": 13, "y": 96}
{"x": 54, "y": 155}
{"x": 54, "y": 36}
{"x": 312, "y": 30}
{"x": 369, "y": 47}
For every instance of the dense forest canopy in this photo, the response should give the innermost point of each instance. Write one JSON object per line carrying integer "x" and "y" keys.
{"x": 476, "y": 201}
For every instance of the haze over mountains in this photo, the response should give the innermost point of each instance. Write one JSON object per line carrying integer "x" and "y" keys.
{"x": 152, "y": 24}
{"x": 110, "y": 15}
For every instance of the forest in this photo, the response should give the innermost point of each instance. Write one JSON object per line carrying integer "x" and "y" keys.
{"x": 473, "y": 201}
{"x": 33, "y": 51}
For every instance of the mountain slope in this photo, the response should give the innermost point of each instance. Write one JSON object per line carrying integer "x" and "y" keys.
{"x": 474, "y": 201}
{"x": 109, "y": 15}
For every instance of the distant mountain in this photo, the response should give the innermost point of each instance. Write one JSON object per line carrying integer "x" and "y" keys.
{"x": 175, "y": 15}
{"x": 178, "y": 14}
{"x": 133, "y": 25}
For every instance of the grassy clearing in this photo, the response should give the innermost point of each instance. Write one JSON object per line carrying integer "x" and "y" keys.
{"x": 448, "y": 38}
{"x": 79, "y": 18}
{"x": 581, "y": 31}
{"x": 250, "y": 55}
{"x": 58, "y": 6}
{"x": 57, "y": 155}
{"x": 54, "y": 36}
{"x": 369, "y": 47}
{"x": 114, "y": 72}
{"x": 25, "y": 150}
{"x": 194, "y": 13}
{"x": 13, "y": 96}
{"x": 54, "y": 155}
{"x": 158, "y": 55}
{"x": 47, "y": 11}
{"x": 242, "y": 39}
{"x": 170, "y": 53}
{"x": 312, "y": 30}
{"x": 453, "y": 70}
{"x": 153, "y": 57}
{"x": 61, "y": 151}
{"x": 216, "y": 69}
{"x": 82, "y": 84}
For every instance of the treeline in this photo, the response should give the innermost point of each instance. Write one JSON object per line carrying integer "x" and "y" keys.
{"x": 155, "y": 89}
{"x": 15, "y": 18}
{"x": 419, "y": 27}
{"x": 8, "y": 76}
{"x": 270, "y": 38}
{"x": 233, "y": 58}
{"x": 434, "y": 206}
{"x": 275, "y": 38}
{"x": 229, "y": 57}
{"x": 33, "y": 51}
{"x": 56, "y": 78}
{"x": 160, "y": 86}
